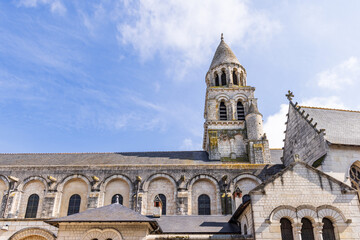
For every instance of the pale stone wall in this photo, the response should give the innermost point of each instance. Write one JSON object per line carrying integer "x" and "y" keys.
{"x": 32, "y": 187}
{"x": 339, "y": 160}
{"x": 204, "y": 186}
{"x": 128, "y": 231}
{"x": 74, "y": 186}
{"x": 245, "y": 219}
{"x": 117, "y": 186}
{"x": 17, "y": 229}
{"x": 302, "y": 192}
{"x": 161, "y": 186}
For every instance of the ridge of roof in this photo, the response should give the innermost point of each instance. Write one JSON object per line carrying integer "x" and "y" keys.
{"x": 291, "y": 166}
{"x": 333, "y": 109}
{"x": 78, "y": 153}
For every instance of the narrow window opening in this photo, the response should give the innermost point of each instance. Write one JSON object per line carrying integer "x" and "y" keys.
{"x": 204, "y": 205}
{"x": 328, "y": 232}
{"x": 113, "y": 199}
{"x": 217, "y": 82}
{"x": 242, "y": 79}
{"x": 222, "y": 111}
{"x": 286, "y": 229}
{"x": 235, "y": 80}
{"x": 245, "y": 229}
{"x": 307, "y": 231}
{"x": 74, "y": 204}
{"x": 160, "y": 201}
{"x": 240, "y": 111}
{"x": 32, "y": 206}
{"x": 223, "y": 79}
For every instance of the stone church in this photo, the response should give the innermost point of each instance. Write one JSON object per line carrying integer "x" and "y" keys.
{"x": 236, "y": 188}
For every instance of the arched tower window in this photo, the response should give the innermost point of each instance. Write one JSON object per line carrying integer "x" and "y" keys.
{"x": 222, "y": 111}
{"x": 240, "y": 111}
{"x": 328, "y": 232}
{"x": 204, "y": 205}
{"x": 74, "y": 204}
{"x": 235, "y": 80}
{"x": 307, "y": 231}
{"x": 242, "y": 83}
{"x": 355, "y": 176}
{"x": 223, "y": 78}
{"x": 217, "y": 82}
{"x": 32, "y": 206}
{"x": 113, "y": 199}
{"x": 160, "y": 199}
{"x": 286, "y": 229}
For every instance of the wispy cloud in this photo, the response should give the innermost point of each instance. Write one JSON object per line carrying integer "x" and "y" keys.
{"x": 340, "y": 76}
{"x": 184, "y": 32}
{"x": 56, "y": 6}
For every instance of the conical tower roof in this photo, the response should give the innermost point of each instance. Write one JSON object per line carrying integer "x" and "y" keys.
{"x": 223, "y": 55}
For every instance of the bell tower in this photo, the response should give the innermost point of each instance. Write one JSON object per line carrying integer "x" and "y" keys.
{"x": 233, "y": 124}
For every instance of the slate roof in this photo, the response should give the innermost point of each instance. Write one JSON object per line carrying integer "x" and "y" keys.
{"x": 109, "y": 213}
{"x": 197, "y": 224}
{"x": 341, "y": 126}
{"x": 125, "y": 158}
{"x": 223, "y": 54}
{"x": 290, "y": 167}
{"x": 276, "y": 155}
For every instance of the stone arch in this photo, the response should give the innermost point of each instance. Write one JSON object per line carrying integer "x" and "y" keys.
{"x": 222, "y": 97}
{"x": 284, "y": 211}
{"x": 74, "y": 184}
{"x": 60, "y": 185}
{"x": 240, "y": 97}
{"x": 204, "y": 184}
{"x": 42, "y": 234}
{"x": 145, "y": 185}
{"x": 117, "y": 184}
{"x": 244, "y": 176}
{"x": 307, "y": 211}
{"x": 32, "y": 185}
{"x": 333, "y": 213}
{"x": 23, "y": 184}
{"x": 160, "y": 183}
{"x": 102, "y": 234}
{"x": 348, "y": 167}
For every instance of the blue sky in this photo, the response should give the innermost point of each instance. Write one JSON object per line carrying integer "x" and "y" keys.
{"x": 113, "y": 76}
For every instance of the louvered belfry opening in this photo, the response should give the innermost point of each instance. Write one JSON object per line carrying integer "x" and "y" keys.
{"x": 328, "y": 230}
{"x": 307, "y": 231}
{"x": 240, "y": 111}
{"x": 223, "y": 79}
{"x": 222, "y": 111}
{"x": 235, "y": 80}
{"x": 217, "y": 82}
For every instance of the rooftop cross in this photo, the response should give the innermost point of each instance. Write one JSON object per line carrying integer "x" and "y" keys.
{"x": 289, "y": 95}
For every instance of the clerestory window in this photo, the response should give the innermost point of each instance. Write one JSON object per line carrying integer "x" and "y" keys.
{"x": 32, "y": 206}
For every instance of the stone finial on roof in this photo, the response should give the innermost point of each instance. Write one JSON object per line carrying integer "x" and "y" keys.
{"x": 289, "y": 95}
{"x": 117, "y": 199}
{"x": 222, "y": 37}
{"x": 253, "y": 108}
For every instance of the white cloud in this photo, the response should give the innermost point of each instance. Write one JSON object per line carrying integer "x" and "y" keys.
{"x": 274, "y": 127}
{"x": 325, "y": 102}
{"x": 56, "y": 6}
{"x": 184, "y": 32}
{"x": 188, "y": 144}
{"x": 344, "y": 74}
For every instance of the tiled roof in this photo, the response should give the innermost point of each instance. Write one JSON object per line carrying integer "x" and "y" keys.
{"x": 223, "y": 54}
{"x": 110, "y": 213}
{"x": 125, "y": 158}
{"x": 197, "y": 224}
{"x": 341, "y": 126}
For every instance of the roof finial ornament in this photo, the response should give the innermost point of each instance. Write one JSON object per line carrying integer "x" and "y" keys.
{"x": 222, "y": 36}
{"x": 117, "y": 199}
{"x": 289, "y": 95}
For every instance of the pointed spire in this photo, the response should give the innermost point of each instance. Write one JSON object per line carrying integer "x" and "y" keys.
{"x": 223, "y": 55}
{"x": 253, "y": 108}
